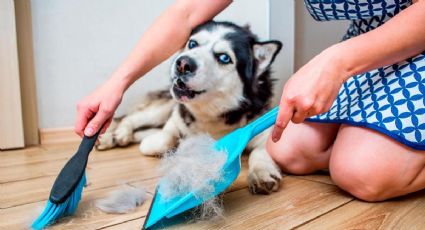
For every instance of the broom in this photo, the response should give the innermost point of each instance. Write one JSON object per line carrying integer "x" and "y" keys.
{"x": 68, "y": 187}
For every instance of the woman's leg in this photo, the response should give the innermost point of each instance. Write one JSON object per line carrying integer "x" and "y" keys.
{"x": 303, "y": 148}
{"x": 374, "y": 167}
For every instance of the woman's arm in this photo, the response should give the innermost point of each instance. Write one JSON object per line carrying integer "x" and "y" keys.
{"x": 167, "y": 35}
{"x": 313, "y": 88}
{"x": 163, "y": 38}
{"x": 401, "y": 37}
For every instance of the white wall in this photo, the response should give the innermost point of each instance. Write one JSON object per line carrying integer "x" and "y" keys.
{"x": 282, "y": 27}
{"x": 79, "y": 43}
{"x": 311, "y": 37}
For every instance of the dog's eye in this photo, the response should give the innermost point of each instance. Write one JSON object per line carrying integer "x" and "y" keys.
{"x": 192, "y": 44}
{"x": 224, "y": 59}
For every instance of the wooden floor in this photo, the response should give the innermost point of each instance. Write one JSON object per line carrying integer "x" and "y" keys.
{"x": 304, "y": 202}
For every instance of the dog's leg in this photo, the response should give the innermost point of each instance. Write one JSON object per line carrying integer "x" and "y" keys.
{"x": 138, "y": 136}
{"x": 153, "y": 115}
{"x": 106, "y": 140}
{"x": 264, "y": 175}
{"x": 164, "y": 140}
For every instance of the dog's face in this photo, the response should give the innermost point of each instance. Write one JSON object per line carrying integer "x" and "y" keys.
{"x": 220, "y": 60}
{"x": 207, "y": 64}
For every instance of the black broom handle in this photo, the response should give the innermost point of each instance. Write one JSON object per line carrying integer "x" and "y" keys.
{"x": 73, "y": 171}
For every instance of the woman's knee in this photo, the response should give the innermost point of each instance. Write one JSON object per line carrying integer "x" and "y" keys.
{"x": 357, "y": 185}
{"x": 289, "y": 158}
{"x": 374, "y": 167}
{"x": 361, "y": 180}
{"x": 303, "y": 148}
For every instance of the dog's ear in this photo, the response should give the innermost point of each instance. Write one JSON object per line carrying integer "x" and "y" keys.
{"x": 265, "y": 53}
{"x": 247, "y": 27}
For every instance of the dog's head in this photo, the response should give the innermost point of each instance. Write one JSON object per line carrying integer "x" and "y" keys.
{"x": 221, "y": 59}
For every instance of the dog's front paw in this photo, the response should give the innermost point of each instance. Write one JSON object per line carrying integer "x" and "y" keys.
{"x": 157, "y": 144}
{"x": 264, "y": 178}
{"x": 106, "y": 141}
{"x": 123, "y": 135}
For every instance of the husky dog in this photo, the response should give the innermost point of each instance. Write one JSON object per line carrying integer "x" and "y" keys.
{"x": 220, "y": 81}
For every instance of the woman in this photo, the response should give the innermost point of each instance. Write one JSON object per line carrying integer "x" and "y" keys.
{"x": 363, "y": 97}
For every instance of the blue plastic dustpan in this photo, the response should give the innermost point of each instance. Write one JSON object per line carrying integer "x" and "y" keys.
{"x": 233, "y": 143}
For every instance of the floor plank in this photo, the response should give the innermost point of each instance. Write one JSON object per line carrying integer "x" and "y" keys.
{"x": 38, "y": 168}
{"x": 27, "y": 156}
{"x": 321, "y": 177}
{"x": 288, "y": 208}
{"x": 297, "y": 202}
{"x": 308, "y": 202}
{"x": 86, "y": 217}
{"x": 47, "y": 162}
{"x": 135, "y": 224}
{"x": 402, "y": 213}
{"x": 99, "y": 175}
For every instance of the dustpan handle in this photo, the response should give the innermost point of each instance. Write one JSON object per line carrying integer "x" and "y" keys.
{"x": 264, "y": 122}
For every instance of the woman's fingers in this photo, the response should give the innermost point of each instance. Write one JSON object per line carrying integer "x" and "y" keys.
{"x": 106, "y": 125}
{"x": 96, "y": 110}
{"x": 98, "y": 120}
{"x": 285, "y": 114}
{"x": 84, "y": 114}
{"x": 104, "y": 128}
{"x": 303, "y": 108}
{"x": 295, "y": 109}
{"x": 299, "y": 116}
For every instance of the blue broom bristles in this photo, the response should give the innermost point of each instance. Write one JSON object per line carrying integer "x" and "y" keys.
{"x": 52, "y": 211}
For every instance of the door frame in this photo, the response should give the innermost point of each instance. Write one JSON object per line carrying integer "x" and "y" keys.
{"x": 18, "y": 114}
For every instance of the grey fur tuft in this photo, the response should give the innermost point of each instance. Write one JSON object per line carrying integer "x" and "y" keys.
{"x": 123, "y": 200}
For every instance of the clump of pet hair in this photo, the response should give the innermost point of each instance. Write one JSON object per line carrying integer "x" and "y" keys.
{"x": 123, "y": 200}
{"x": 211, "y": 210}
{"x": 194, "y": 167}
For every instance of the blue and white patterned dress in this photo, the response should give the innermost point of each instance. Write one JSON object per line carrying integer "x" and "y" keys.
{"x": 390, "y": 99}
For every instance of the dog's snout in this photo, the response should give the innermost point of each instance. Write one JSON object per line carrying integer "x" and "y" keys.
{"x": 180, "y": 83}
{"x": 185, "y": 65}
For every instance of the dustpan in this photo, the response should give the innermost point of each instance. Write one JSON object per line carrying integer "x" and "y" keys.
{"x": 163, "y": 210}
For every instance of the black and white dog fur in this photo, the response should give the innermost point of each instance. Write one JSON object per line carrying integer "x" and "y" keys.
{"x": 220, "y": 81}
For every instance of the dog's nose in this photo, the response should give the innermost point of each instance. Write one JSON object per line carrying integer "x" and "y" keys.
{"x": 185, "y": 65}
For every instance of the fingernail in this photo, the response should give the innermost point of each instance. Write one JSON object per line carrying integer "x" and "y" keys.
{"x": 88, "y": 131}
{"x": 274, "y": 139}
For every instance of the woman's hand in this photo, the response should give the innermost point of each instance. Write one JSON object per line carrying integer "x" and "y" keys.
{"x": 311, "y": 90}
{"x": 97, "y": 109}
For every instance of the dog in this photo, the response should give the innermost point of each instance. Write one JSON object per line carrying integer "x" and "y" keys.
{"x": 220, "y": 80}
